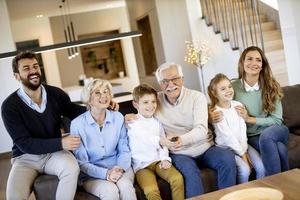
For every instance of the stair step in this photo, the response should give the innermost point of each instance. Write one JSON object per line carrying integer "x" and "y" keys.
{"x": 276, "y": 57}
{"x": 265, "y": 26}
{"x": 282, "y": 79}
{"x": 268, "y": 26}
{"x": 272, "y": 38}
{"x": 273, "y": 45}
{"x": 275, "y": 54}
{"x": 272, "y": 35}
{"x": 263, "y": 19}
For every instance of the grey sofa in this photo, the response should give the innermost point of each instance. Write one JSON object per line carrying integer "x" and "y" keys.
{"x": 45, "y": 186}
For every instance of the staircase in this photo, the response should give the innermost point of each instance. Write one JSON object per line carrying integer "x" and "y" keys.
{"x": 240, "y": 23}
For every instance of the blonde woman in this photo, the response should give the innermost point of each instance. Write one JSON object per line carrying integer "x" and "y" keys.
{"x": 104, "y": 156}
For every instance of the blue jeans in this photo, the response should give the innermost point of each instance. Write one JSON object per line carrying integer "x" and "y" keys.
{"x": 219, "y": 159}
{"x": 271, "y": 144}
{"x": 243, "y": 170}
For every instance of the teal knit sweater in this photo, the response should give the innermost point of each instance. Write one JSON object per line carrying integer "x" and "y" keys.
{"x": 253, "y": 102}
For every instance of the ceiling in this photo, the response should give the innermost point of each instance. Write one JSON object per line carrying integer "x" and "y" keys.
{"x": 21, "y": 9}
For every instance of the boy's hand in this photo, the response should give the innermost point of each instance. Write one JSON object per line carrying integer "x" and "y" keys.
{"x": 129, "y": 118}
{"x": 163, "y": 141}
{"x": 165, "y": 164}
{"x": 214, "y": 116}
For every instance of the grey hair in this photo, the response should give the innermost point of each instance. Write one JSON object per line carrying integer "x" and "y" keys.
{"x": 91, "y": 87}
{"x": 167, "y": 65}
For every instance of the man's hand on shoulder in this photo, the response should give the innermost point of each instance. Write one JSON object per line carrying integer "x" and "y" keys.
{"x": 114, "y": 106}
{"x": 214, "y": 116}
{"x": 70, "y": 142}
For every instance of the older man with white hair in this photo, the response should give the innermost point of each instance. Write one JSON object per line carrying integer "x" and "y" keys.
{"x": 183, "y": 113}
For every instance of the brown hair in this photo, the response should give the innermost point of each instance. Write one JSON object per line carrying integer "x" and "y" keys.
{"x": 270, "y": 88}
{"x": 212, "y": 88}
{"x": 22, "y": 55}
{"x": 141, "y": 90}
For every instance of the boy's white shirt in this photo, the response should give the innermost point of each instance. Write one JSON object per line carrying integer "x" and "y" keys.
{"x": 144, "y": 135}
{"x": 231, "y": 131}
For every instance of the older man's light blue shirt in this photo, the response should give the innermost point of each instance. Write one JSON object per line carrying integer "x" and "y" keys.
{"x": 101, "y": 149}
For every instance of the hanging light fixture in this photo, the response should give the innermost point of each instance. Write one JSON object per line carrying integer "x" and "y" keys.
{"x": 71, "y": 43}
{"x": 72, "y": 28}
{"x": 68, "y": 27}
{"x": 77, "y": 43}
{"x": 65, "y": 30}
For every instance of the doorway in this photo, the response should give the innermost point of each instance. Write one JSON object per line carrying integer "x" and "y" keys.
{"x": 147, "y": 46}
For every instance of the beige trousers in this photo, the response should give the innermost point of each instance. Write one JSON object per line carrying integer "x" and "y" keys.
{"x": 107, "y": 190}
{"x": 27, "y": 167}
{"x": 146, "y": 178}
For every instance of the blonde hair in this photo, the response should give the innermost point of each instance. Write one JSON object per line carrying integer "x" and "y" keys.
{"x": 91, "y": 87}
{"x": 270, "y": 88}
{"x": 141, "y": 90}
{"x": 212, "y": 88}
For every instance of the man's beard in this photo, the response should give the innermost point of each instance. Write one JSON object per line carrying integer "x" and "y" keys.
{"x": 26, "y": 82}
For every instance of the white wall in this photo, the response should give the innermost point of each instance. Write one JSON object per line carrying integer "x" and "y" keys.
{"x": 223, "y": 59}
{"x": 95, "y": 22}
{"x": 272, "y": 3}
{"x": 175, "y": 30}
{"x": 176, "y": 22}
{"x": 136, "y": 10}
{"x": 290, "y": 28}
{"x": 39, "y": 28}
{"x": 8, "y": 83}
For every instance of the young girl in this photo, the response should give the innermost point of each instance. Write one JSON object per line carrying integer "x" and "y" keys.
{"x": 231, "y": 131}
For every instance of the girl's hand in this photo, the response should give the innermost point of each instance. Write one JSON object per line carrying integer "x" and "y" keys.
{"x": 246, "y": 160}
{"x": 165, "y": 164}
{"x": 249, "y": 161}
{"x": 214, "y": 116}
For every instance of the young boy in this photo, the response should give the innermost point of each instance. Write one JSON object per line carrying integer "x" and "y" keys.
{"x": 149, "y": 158}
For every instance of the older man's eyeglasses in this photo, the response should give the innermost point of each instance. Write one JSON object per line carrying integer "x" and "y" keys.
{"x": 174, "y": 80}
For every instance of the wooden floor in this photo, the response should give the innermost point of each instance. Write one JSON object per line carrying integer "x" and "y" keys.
{"x": 4, "y": 171}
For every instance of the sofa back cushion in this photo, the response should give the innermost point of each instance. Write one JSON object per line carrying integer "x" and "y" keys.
{"x": 291, "y": 108}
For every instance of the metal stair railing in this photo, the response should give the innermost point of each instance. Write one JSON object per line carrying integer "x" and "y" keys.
{"x": 238, "y": 21}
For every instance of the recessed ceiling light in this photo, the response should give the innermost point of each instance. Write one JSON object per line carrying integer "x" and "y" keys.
{"x": 39, "y": 16}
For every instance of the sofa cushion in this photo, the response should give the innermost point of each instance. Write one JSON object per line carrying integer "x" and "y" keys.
{"x": 291, "y": 109}
{"x": 294, "y": 150}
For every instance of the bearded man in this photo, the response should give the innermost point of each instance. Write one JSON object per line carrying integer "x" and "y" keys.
{"x": 32, "y": 117}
